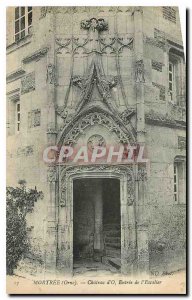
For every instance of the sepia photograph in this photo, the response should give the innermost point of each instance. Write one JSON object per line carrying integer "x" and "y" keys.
{"x": 96, "y": 150}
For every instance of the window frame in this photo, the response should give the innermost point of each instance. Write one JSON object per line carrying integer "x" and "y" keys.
{"x": 175, "y": 182}
{"x": 179, "y": 183}
{"x": 177, "y": 62}
{"x": 26, "y": 15}
{"x": 18, "y": 117}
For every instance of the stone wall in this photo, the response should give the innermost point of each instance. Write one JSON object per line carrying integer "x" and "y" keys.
{"x": 167, "y": 219}
{"x": 39, "y": 73}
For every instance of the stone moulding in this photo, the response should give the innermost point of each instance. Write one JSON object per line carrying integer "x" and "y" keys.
{"x": 85, "y": 9}
{"x": 16, "y": 74}
{"x": 116, "y": 44}
{"x": 37, "y": 55}
{"x": 14, "y": 95}
{"x": 155, "y": 118}
{"x": 70, "y": 134}
{"x": 117, "y": 172}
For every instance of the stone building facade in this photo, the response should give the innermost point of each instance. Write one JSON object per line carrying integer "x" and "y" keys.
{"x": 79, "y": 75}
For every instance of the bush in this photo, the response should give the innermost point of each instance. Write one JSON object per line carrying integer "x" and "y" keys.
{"x": 19, "y": 202}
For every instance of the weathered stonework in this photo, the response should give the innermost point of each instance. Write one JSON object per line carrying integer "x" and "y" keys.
{"x": 181, "y": 142}
{"x": 26, "y": 151}
{"x": 161, "y": 90}
{"x": 34, "y": 118}
{"x": 28, "y": 83}
{"x": 100, "y": 77}
{"x": 157, "y": 66}
{"x": 36, "y": 55}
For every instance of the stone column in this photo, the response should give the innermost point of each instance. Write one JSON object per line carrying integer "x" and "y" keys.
{"x": 142, "y": 224}
{"x": 51, "y": 239}
{"x": 98, "y": 207}
{"x": 51, "y": 242}
{"x": 139, "y": 73}
{"x": 140, "y": 203}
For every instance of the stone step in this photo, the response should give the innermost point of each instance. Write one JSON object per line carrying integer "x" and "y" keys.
{"x": 112, "y": 233}
{"x": 113, "y": 252}
{"x": 112, "y": 239}
{"x": 115, "y": 262}
{"x": 113, "y": 245}
{"x": 107, "y": 227}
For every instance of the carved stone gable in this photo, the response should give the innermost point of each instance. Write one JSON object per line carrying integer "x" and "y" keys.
{"x": 95, "y": 78}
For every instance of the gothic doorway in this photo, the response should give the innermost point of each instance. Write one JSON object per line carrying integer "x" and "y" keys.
{"x": 96, "y": 225}
{"x": 76, "y": 181}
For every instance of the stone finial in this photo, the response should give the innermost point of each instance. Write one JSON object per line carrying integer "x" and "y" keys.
{"x": 94, "y": 24}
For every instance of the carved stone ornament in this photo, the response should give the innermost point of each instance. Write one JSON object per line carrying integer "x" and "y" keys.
{"x": 35, "y": 55}
{"x": 154, "y": 117}
{"x": 142, "y": 174}
{"x": 52, "y": 174}
{"x": 43, "y": 11}
{"x": 139, "y": 71}
{"x": 125, "y": 171}
{"x": 70, "y": 137}
{"x": 86, "y": 84}
{"x": 28, "y": 83}
{"x": 95, "y": 140}
{"x": 26, "y": 151}
{"x": 114, "y": 43}
{"x": 181, "y": 142}
{"x": 51, "y": 74}
{"x": 94, "y": 24}
{"x": 34, "y": 118}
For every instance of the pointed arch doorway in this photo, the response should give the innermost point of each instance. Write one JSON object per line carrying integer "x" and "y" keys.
{"x": 68, "y": 245}
{"x": 96, "y": 225}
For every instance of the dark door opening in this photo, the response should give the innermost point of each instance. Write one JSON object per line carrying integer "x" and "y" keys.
{"x": 96, "y": 224}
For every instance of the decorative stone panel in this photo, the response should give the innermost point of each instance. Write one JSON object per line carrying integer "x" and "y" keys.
{"x": 34, "y": 118}
{"x": 157, "y": 66}
{"x": 26, "y": 151}
{"x": 169, "y": 13}
{"x": 28, "y": 83}
{"x": 161, "y": 90}
{"x": 156, "y": 42}
{"x": 181, "y": 142}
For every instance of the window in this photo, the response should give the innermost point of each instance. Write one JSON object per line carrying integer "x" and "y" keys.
{"x": 176, "y": 77}
{"x": 175, "y": 182}
{"x": 179, "y": 180}
{"x": 23, "y": 21}
{"x": 171, "y": 79}
{"x": 18, "y": 116}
